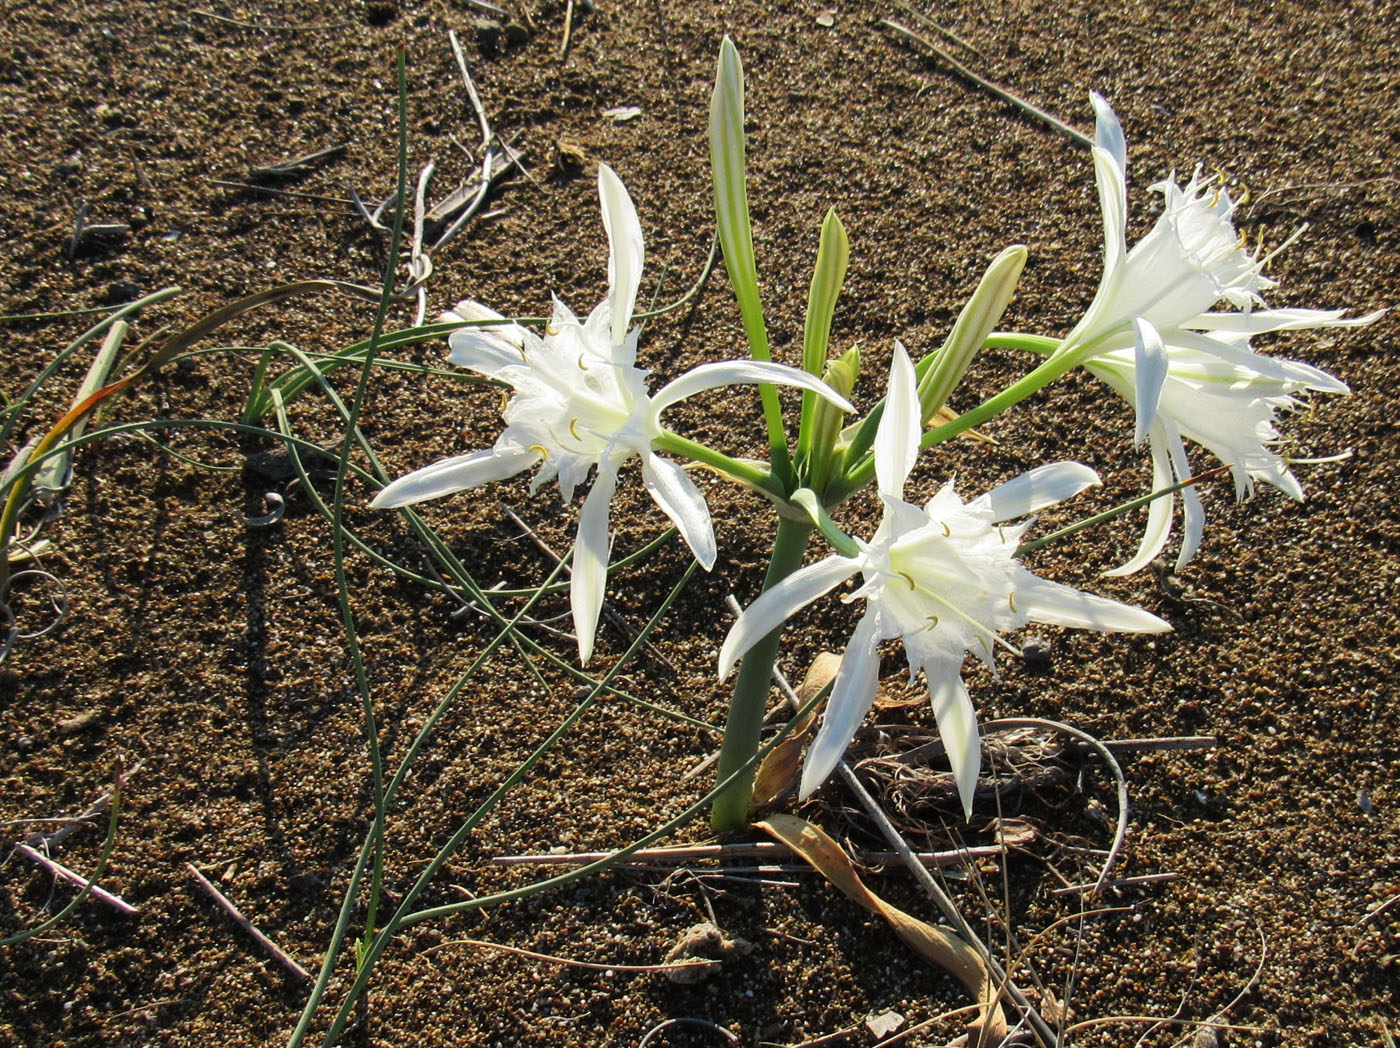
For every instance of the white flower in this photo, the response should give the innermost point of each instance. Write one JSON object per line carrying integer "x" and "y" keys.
{"x": 580, "y": 403}
{"x": 1226, "y": 404}
{"x": 1150, "y": 334}
{"x": 944, "y": 579}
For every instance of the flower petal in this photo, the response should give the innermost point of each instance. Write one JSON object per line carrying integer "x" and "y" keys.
{"x": 1150, "y": 365}
{"x": 1035, "y": 489}
{"x": 739, "y": 372}
{"x": 455, "y": 474}
{"x": 483, "y": 351}
{"x": 1059, "y": 605}
{"x": 625, "y": 249}
{"x": 957, "y": 725}
{"x": 679, "y": 498}
{"x": 1280, "y": 369}
{"x": 1111, "y": 174}
{"x": 590, "y": 565}
{"x": 1259, "y": 321}
{"x": 470, "y": 309}
{"x": 1159, "y": 510}
{"x": 851, "y": 698}
{"x": 1193, "y": 514}
{"x": 779, "y": 603}
{"x": 897, "y": 439}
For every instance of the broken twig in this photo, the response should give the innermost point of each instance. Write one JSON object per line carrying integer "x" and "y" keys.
{"x": 63, "y": 873}
{"x": 280, "y": 955}
{"x": 996, "y": 89}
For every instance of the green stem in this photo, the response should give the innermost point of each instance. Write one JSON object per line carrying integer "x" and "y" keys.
{"x": 741, "y": 731}
{"x": 755, "y": 475}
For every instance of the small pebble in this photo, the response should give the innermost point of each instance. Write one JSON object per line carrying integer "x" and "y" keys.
{"x": 1036, "y": 651}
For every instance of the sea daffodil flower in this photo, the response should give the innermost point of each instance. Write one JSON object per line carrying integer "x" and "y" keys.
{"x": 1228, "y": 406}
{"x": 942, "y": 578}
{"x": 1149, "y": 332}
{"x": 580, "y": 403}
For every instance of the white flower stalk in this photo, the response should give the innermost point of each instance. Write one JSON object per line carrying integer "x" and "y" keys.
{"x": 580, "y": 403}
{"x": 944, "y": 579}
{"x": 1150, "y": 334}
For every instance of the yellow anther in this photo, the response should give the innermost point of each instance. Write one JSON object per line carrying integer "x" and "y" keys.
{"x": 947, "y": 531}
{"x": 1011, "y": 599}
{"x": 907, "y": 578}
{"x": 933, "y": 622}
{"x": 573, "y": 428}
{"x": 544, "y": 451}
{"x": 581, "y": 365}
{"x": 505, "y": 401}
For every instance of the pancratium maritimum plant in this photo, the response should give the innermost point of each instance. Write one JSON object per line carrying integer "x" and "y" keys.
{"x": 943, "y": 577}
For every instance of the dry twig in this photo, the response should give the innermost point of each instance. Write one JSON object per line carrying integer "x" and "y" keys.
{"x": 996, "y": 89}
{"x": 280, "y": 955}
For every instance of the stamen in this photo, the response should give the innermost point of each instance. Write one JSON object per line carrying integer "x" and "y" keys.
{"x": 947, "y": 531}
{"x": 505, "y": 401}
{"x": 581, "y": 365}
{"x": 573, "y": 428}
{"x": 1282, "y": 247}
{"x": 907, "y": 578}
{"x": 1011, "y": 599}
{"x": 544, "y": 451}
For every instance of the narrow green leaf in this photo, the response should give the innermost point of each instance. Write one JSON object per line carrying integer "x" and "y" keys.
{"x": 941, "y": 371}
{"x": 731, "y": 194}
{"x": 828, "y": 276}
{"x": 736, "y": 234}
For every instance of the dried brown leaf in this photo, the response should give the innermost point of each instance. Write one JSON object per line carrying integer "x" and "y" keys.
{"x": 936, "y": 945}
{"x": 779, "y": 769}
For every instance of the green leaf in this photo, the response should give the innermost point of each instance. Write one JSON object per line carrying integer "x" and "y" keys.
{"x": 941, "y": 371}
{"x": 828, "y": 276}
{"x": 736, "y": 235}
{"x": 731, "y": 194}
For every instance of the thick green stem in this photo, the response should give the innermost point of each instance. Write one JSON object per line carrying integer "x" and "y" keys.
{"x": 730, "y": 813}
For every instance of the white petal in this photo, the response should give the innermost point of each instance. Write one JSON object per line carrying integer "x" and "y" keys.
{"x": 454, "y": 474}
{"x": 1059, "y": 605}
{"x": 1300, "y": 375}
{"x": 679, "y": 498}
{"x": 1108, "y": 132}
{"x": 1259, "y": 321}
{"x": 851, "y": 698}
{"x": 897, "y": 438}
{"x": 470, "y": 309}
{"x": 740, "y": 372}
{"x": 625, "y": 253}
{"x": 483, "y": 351}
{"x": 1111, "y": 174}
{"x": 1193, "y": 514}
{"x": 957, "y": 725}
{"x": 1036, "y": 489}
{"x": 1150, "y": 365}
{"x": 1159, "y": 510}
{"x": 590, "y": 564}
{"x": 779, "y": 603}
